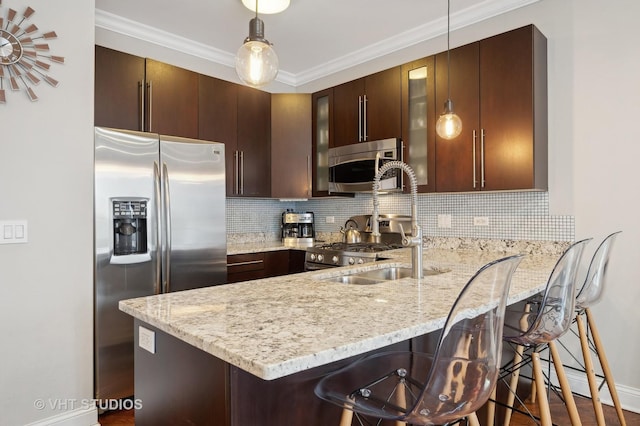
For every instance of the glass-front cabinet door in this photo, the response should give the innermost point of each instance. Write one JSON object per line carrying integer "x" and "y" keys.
{"x": 322, "y": 120}
{"x": 418, "y": 116}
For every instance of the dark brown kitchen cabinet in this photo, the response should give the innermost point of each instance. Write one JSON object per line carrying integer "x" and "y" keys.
{"x": 142, "y": 94}
{"x": 321, "y": 140}
{"x": 418, "y": 121}
{"x": 252, "y": 156}
{"x": 290, "y": 145}
{"x": 172, "y": 100}
{"x": 368, "y": 108}
{"x": 253, "y": 266}
{"x": 119, "y": 89}
{"x": 499, "y": 90}
{"x": 218, "y": 121}
{"x": 456, "y": 159}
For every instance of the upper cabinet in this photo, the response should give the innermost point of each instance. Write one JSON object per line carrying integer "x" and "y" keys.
{"x": 172, "y": 100}
{"x": 239, "y": 117}
{"x": 368, "y": 108}
{"x": 218, "y": 121}
{"x": 418, "y": 121}
{"x": 291, "y": 145}
{"x": 321, "y": 140}
{"x": 253, "y": 151}
{"x": 142, "y": 94}
{"x": 499, "y": 90}
{"x": 119, "y": 90}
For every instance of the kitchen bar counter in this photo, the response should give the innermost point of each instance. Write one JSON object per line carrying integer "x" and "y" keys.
{"x": 279, "y": 326}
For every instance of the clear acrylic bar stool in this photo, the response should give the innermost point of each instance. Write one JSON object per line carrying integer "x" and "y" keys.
{"x": 439, "y": 388}
{"x": 590, "y": 294}
{"x": 543, "y": 319}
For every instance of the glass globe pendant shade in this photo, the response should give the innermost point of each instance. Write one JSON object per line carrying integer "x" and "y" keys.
{"x": 256, "y": 61}
{"x": 449, "y": 125}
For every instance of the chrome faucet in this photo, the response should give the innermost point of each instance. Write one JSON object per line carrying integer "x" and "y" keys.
{"x": 415, "y": 241}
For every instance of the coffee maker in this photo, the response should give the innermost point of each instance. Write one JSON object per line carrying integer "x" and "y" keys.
{"x": 297, "y": 229}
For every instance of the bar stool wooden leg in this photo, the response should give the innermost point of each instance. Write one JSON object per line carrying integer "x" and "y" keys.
{"x": 543, "y": 403}
{"x": 591, "y": 376}
{"x": 564, "y": 386}
{"x": 401, "y": 400}
{"x": 513, "y": 384}
{"x": 472, "y": 420}
{"x": 491, "y": 408}
{"x": 346, "y": 418}
{"x": 605, "y": 366}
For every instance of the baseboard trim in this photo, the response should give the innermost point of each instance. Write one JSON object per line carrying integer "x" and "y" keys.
{"x": 629, "y": 396}
{"x": 78, "y": 417}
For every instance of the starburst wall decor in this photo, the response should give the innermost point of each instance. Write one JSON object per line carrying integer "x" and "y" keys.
{"x": 24, "y": 58}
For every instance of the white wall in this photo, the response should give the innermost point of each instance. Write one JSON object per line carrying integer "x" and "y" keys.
{"x": 46, "y": 178}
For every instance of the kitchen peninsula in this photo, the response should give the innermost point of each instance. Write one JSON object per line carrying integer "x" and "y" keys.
{"x": 251, "y": 352}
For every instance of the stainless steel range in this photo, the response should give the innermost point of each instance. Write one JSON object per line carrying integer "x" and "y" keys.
{"x": 329, "y": 255}
{"x": 344, "y": 254}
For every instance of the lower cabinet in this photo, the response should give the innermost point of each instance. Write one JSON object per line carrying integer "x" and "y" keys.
{"x": 253, "y": 266}
{"x": 180, "y": 384}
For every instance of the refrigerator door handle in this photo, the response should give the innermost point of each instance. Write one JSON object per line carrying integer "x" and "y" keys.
{"x": 157, "y": 201}
{"x": 166, "y": 204}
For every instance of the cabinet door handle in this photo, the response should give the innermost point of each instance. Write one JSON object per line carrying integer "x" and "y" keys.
{"x": 359, "y": 118}
{"x": 364, "y": 119}
{"x": 482, "y": 181}
{"x": 241, "y": 172}
{"x": 150, "y": 91}
{"x": 475, "y": 181}
{"x": 249, "y": 262}
{"x": 236, "y": 173}
{"x": 141, "y": 87}
{"x": 309, "y": 173}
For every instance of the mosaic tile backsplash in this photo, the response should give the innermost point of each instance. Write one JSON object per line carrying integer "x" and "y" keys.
{"x": 511, "y": 215}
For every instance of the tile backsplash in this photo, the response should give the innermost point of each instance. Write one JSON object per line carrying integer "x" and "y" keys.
{"x": 509, "y": 215}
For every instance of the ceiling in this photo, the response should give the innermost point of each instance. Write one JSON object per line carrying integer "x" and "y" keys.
{"x": 312, "y": 38}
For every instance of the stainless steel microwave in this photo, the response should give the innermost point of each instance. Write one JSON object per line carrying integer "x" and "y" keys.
{"x": 353, "y": 167}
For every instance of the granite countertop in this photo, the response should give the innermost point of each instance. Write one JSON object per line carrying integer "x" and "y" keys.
{"x": 278, "y": 326}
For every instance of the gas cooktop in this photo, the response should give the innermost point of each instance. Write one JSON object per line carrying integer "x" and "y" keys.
{"x": 357, "y": 247}
{"x": 342, "y": 254}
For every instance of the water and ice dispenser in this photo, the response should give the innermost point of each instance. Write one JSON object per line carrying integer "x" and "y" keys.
{"x": 129, "y": 227}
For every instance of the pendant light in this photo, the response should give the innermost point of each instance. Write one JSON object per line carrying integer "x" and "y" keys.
{"x": 256, "y": 61}
{"x": 449, "y": 125}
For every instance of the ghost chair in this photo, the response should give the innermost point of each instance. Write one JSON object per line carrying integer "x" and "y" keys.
{"x": 535, "y": 326}
{"x": 439, "y": 388}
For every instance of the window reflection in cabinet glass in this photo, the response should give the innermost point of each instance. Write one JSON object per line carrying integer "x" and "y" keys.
{"x": 418, "y": 123}
{"x": 322, "y": 138}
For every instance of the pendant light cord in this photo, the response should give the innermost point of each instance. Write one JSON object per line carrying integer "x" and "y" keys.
{"x": 448, "y": 49}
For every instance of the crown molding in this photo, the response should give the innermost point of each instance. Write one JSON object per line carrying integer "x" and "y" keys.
{"x": 429, "y": 30}
{"x": 425, "y": 32}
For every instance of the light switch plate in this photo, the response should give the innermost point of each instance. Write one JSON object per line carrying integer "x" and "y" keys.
{"x": 147, "y": 339}
{"x": 13, "y": 231}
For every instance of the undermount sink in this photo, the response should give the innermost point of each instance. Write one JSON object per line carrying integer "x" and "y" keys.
{"x": 375, "y": 276}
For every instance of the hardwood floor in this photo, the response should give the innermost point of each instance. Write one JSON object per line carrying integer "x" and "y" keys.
{"x": 558, "y": 414}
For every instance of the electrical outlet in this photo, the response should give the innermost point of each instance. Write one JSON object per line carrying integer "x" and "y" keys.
{"x": 147, "y": 339}
{"x": 480, "y": 221}
{"x": 330, "y": 219}
{"x": 444, "y": 221}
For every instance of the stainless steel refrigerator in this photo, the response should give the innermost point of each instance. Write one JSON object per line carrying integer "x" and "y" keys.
{"x": 159, "y": 227}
